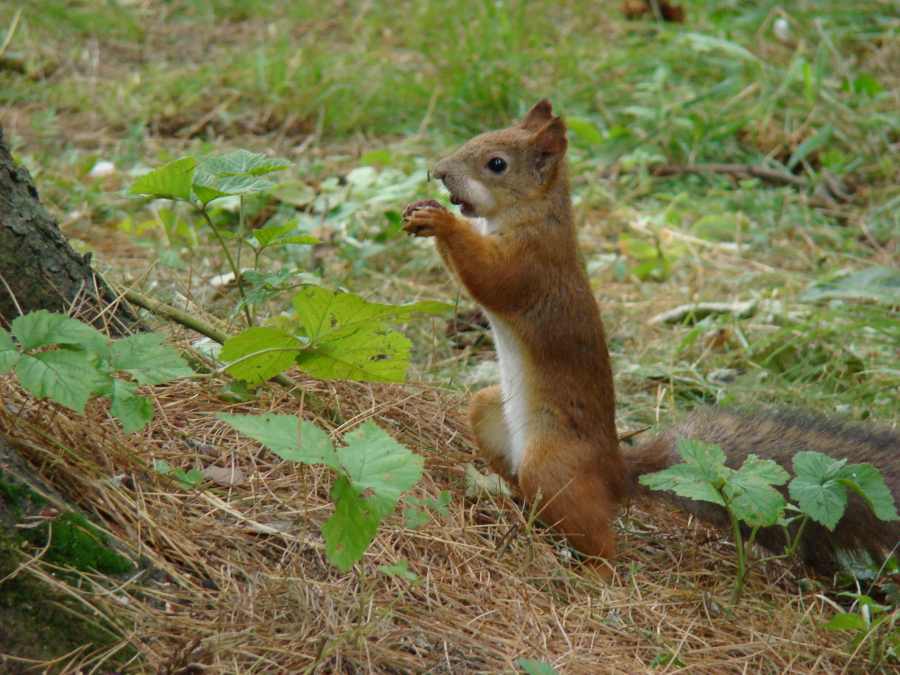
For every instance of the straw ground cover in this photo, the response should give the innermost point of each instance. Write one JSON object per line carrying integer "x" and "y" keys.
{"x": 232, "y": 575}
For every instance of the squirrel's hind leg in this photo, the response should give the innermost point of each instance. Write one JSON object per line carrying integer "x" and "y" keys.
{"x": 491, "y": 432}
{"x": 574, "y": 500}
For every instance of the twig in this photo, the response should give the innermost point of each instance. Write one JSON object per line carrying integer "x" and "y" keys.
{"x": 737, "y": 170}
{"x": 210, "y": 331}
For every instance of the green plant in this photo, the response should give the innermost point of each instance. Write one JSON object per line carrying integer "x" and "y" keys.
{"x": 748, "y": 494}
{"x": 871, "y": 623}
{"x": 372, "y": 471}
{"x": 85, "y": 363}
{"x": 199, "y": 183}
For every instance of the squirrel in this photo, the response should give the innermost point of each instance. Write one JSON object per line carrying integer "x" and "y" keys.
{"x": 549, "y": 426}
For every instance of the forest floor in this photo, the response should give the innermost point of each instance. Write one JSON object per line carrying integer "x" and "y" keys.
{"x": 361, "y": 98}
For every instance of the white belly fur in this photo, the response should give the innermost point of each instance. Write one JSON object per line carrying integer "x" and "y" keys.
{"x": 513, "y": 389}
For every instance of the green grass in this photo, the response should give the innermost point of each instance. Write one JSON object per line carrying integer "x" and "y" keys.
{"x": 396, "y": 84}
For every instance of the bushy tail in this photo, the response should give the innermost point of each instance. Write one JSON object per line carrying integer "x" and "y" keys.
{"x": 779, "y": 435}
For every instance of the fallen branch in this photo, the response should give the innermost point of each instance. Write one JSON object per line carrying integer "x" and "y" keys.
{"x": 773, "y": 176}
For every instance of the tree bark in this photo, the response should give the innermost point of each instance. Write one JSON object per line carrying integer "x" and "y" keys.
{"x": 38, "y": 268}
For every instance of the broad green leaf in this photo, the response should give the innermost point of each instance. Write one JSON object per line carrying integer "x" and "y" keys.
{"x": 42, "y": 328}
{"x": 350, "y": 337}
{"x": 533, "y": 667}
{"x": 708, "y": 457}
{"x": 366, "y": 355}
{"x": 822, "y": 500}
{"x": 170, "y": 181}
{"x": 68, "y": 377}
{"x": 287, "y": 437}
{"x": 260, "y": 353}
{"x": 400, "y": 570}
{"x": 148, "y": 359}
{"x": 816, "y": 466}
{"x": 133, "y": 412}
{"x": 686, "y": 480}
{"x": 351, "y": 528}
{"x": 375, "y": 461}
{"x": 868, "y": 482}
{"x": 281, "y": 235}
{"x": 846, "y": 621}
{"x": 9, "y": 355}
{"x": 874, "y": 284}
{"x": 750, "y": 491}
{"x": 235, "y": 173}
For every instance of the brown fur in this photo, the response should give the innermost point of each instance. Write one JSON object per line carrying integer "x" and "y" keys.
{"x": 526, "y": 273}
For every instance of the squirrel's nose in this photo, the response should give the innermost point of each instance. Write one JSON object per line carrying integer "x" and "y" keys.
{"x": 439, "y": 171}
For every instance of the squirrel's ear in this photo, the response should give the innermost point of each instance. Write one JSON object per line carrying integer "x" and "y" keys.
{"x": 538, "y": 116}
{"x": 550, "y": 145}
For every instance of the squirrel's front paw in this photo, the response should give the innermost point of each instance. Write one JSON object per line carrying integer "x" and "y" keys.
{"x": 425, "y": 218}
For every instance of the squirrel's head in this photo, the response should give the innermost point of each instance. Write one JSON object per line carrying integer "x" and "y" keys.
{"x": 499, "y": 172}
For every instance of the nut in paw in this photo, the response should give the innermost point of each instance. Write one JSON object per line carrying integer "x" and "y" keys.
{"x": 424, "y": 218}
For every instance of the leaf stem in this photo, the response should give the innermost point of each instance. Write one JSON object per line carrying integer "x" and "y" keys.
{"x": 741, "y": 555}
{"x": 231, "y": 263}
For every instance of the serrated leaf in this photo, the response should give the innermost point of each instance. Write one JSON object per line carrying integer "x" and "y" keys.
{"x": 869, "y": 483}
{"x": 822, "y": 500}
{"x": 170, "y": 181}
{"x": 750, "y": 491}
{"x": 375, "y": 461}
{"x": 350, "y": 337}
{"x": 685, "y": 480}
{"x": 148, "y": 359}
{"x": 817, "y": 466}
{"x": 281, "y": 235}
{"x": 287, "y": 437}
{"x": 68, "y": 377}
{"x": 400, "y": 570}
{"x": 260, "y": 353}
{"x": 9, "y": 355}
{"x": 42, "y": 328}
{"x": 533, "y": 667}
{"x": 235, "y": 173}
{"x": 133, "y": 412}
{"x": 351, "y": 528}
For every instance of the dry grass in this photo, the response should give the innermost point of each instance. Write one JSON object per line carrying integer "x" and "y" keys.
{"x": 234, "y": 578}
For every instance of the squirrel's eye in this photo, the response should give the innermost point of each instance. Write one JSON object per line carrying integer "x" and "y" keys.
{"x": 497, "y": 164}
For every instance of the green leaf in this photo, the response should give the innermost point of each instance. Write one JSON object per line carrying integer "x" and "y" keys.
{"x": 414, "y": 517}
{"x": 170, "y": 181}
{"x": 287, "y": 437}
{"x": 400, "y": 570}
{"x": 42, "y": 328}
{"x": 351, "y": 528}
{"x": 846, "y": 621}
{"x": 148, "y": 359}
{"x": 750, "y": 492}
{"x": 9, "y": 355}
{"x": 533, "y": 667}
{"x": 810, "y": 145}
{"x": 375, "y": 461}
{"x": 350, "y": 337}
{"x": 189, "y": 479}
{"x": 699, "y": 477}
{"x": 280, "y": 235}
{"x": 260, "y": 353}
{"x": 235, "y": 173}
{"x": 868, "y": 482}
{"x": 66, "y": 376}
{"x": 133, "y": 412}
{"x": 873, "y": 284}
{"x": 823, "y": 501}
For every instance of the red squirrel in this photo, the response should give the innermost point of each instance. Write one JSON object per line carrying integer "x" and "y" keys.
{"x": 549, "y": 426}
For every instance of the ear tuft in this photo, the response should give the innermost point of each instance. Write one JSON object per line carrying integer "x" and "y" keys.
{"x": 550, "y": 139}
{"x": 538, "y": 116}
